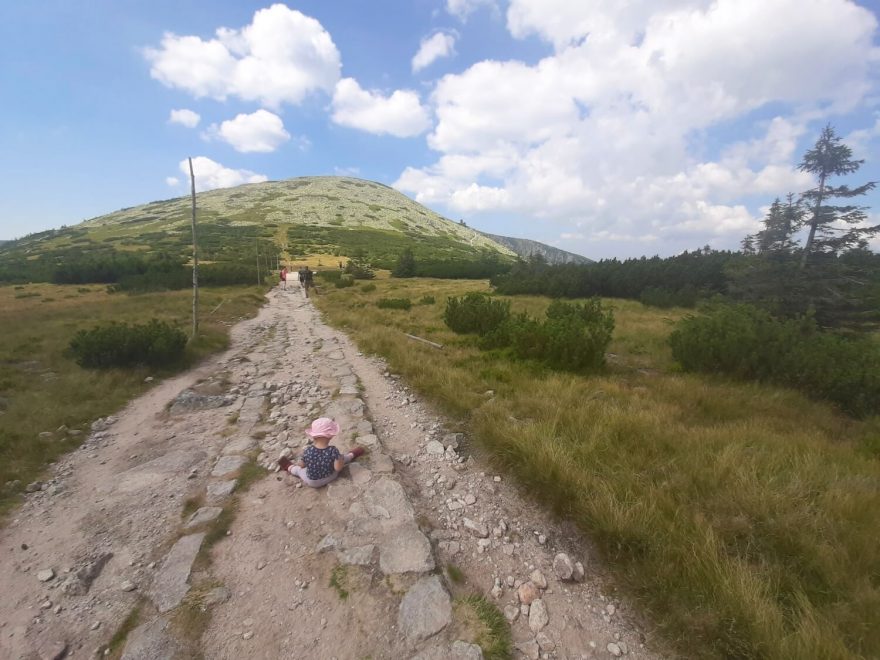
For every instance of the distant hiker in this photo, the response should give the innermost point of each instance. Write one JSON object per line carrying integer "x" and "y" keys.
{"x": 301, "y": 277}
{"x": 307, "y": 278}
{"x": 283, "y": 277}
{"x": 320, "y": 462}
{"x": 341, "y": 267}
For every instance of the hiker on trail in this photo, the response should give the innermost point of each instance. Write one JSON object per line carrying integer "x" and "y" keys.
{"x": 307, "y": 278}
{"x": 321, "y": 462}
{"x": 283, "y": 277}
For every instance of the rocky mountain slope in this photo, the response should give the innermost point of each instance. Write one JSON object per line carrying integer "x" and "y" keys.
{"x": 525, "y": 248}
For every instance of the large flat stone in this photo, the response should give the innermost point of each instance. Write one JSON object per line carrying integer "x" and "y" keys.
{"x": 458, "y": 651}
{"x": 424, "y": 611}
{"x": 239, "y": 446}
{"x": 358, "y": 556}
{"x": 381, "y": 463}
{"x": 203, "y": 515}
{"x": 388, "y": 496}
{"x": 359, "y": 474}
{"x": 406, "y": 550}
{"x": 151, "y": 641}
{"x": 227, "y": 465}
{"x": 149, "y": 475}
{"x": 217, "y": 490}
{"x": 171, "y": 583}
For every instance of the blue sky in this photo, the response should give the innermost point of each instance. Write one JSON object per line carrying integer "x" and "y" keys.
{"x": 605, "y": 128}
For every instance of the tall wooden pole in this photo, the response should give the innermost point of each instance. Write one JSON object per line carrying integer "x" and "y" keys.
{"x": 257, "y": 252}
{"x": 195, "y": 311}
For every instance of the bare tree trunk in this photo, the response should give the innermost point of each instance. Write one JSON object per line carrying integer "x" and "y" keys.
{"x": 195, "y": 309}
{"x": 814, "y": 222}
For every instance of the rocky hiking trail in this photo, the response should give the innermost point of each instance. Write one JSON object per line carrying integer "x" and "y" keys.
{"x": 163, "y": 512}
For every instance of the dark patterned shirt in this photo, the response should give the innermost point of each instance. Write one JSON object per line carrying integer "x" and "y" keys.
{"x": 319, "y": 462}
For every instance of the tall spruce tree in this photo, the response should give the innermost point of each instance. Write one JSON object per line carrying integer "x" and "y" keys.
{"x": 833, "y": 229}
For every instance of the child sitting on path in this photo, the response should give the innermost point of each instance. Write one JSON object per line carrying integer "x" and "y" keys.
{"x": 321, "y": 462}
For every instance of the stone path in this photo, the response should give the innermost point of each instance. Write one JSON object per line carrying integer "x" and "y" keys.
{"x": 358, "y": 569}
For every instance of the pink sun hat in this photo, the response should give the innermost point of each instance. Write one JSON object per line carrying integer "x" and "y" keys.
{"x": 323, "y": 427}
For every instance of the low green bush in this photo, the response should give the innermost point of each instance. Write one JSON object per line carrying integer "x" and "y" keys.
{"x": 330, "y": 275}
{"x": 153, "y": 344}
{"x": 368, "y": 288}
{"x": 749, "y": 343}
{"x": 427, "y": 300}
{"x": 475, "y": 312}
{"x": 344, "y": 282}
{"x": 394, "y": 303}
{"x": 573, "y": 337}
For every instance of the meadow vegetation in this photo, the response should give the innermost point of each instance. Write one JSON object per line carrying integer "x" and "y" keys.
{"x": 41, "y": 386}
{"x": 741, "y": 516}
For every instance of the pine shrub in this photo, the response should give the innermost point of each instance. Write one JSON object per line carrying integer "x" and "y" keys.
{"x": 394, "y": 303}
{"x": 153, "y": 344}
{"x": 475, "y": 312}
{"x": 748, "y": 343}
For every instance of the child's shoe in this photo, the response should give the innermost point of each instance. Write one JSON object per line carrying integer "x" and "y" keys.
{"x": 284, "y": 463}
{"x": 357, "y": 451}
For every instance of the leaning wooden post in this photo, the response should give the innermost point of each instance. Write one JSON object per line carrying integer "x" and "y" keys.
{"x": 195, "y": 312}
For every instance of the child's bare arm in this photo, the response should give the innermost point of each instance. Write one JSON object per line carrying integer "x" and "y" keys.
{"x": 301, "y": 463}
{"x": 338, "y": 464}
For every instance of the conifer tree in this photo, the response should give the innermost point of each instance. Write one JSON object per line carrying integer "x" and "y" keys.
{"x": 827, "y": 159}
{"x": 406, "y": 265}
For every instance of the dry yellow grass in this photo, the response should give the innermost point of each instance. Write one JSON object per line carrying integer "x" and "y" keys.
{"x": 742, "y": 517}
{"x": 42, "y": 389}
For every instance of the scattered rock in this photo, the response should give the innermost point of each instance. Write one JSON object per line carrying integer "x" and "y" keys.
{"x": 545, "y": 643}
{"x": 46, "y": 575}
{"x": 614, "y": 649}
{"x": 528, "y": 592}
{"x": 529, "y": 649}
{"x": 563, "y": 567}
{"x": 478, "y": 529}
{"x": 434, "y": 448}
{"x": 511, "y": 613}
{"x": 128, "y": 585}
{"x": 538, "y": 578}
{"x": 538, "y": 616}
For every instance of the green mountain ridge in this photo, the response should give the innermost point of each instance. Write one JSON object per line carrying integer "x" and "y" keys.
{"x": 332, "y": 215}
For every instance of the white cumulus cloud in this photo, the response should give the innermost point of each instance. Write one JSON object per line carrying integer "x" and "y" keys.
{"x": 260, "y": 131}
{"x": 280, "y": 57}
{"x": 464, "y": 8}
{"x": 400, "y": 114}
{"x": 613, "y": 131}
{"x": 431, "y": 49}
{"x": 173, "y": 181}
{"x": 210, "y": 174}
{"x": 185, "y": 117}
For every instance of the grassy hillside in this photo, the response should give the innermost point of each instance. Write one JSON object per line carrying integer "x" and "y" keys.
{"x": 742, "y": 517}
{"x": 42, "y": 389}
{"x": 332, "y": 215}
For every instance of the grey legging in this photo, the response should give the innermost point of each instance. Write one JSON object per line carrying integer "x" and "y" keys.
{"x": 302, "y": 473}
